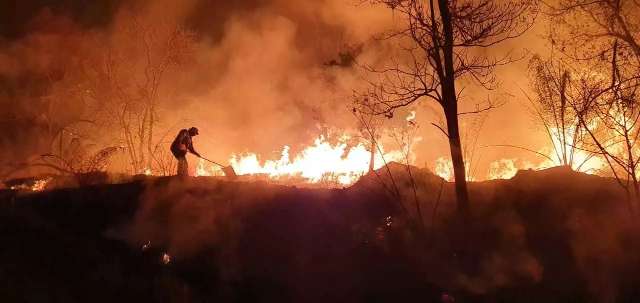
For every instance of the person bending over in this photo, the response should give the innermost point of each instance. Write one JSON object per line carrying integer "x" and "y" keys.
{"x": 180, "y": 146}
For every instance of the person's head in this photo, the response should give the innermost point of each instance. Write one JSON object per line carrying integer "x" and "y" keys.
{"x": 193, "y": 131}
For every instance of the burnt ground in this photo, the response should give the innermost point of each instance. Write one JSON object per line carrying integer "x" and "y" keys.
{"x": 548, "y": 236}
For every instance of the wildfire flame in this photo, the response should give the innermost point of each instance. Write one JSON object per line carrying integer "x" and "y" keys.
{"x": 166, "y": 259}
{"x": 321, "y": 162}
{"x": 38, "y": 185}
{"x": 147, "y": 172}
{"x": 341, "y": 164}
{"x": 444, "y": 168}
{"x": 502, "y": 169}
{"x": 581, "y": 160}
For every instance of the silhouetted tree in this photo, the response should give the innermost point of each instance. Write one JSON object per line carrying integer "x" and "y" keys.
{"x": 609, "y": 111}
{"x": 442, "y": 41}
{"x": 555, "y": 88}
{"x": 585, "y": 29}
{"x": 128, "y": 77}
{"x": 602, "y": 39}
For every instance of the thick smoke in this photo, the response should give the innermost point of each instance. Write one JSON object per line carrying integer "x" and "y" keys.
{"x": 263, "y": 74}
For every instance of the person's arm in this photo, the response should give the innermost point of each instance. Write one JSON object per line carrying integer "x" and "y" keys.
{"x": 191, "y": 149}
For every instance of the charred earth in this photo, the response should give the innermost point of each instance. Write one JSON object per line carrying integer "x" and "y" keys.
{"x": 542, "y": 236}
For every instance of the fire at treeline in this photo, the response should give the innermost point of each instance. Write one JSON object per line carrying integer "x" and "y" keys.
{"x": 322, "y": 92}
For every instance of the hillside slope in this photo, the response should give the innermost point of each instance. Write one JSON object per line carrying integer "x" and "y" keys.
{"x": 547, "y": 236}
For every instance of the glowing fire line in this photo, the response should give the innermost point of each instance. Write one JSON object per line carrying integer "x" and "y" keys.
{"x": 38, "y": 185}
{"x": 320, "y": 162}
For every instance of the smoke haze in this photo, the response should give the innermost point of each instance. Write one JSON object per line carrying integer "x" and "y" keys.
{"x": 264, "y": 74}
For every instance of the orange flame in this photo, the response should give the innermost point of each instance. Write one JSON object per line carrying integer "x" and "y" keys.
{"x": 38, "y": 185}
{"x": 321, "y": 162}
{"x": 581, "y": 160}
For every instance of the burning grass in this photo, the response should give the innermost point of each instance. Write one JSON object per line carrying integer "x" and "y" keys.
{"x": 322, "y": 163}
{"x": 29, "y": 184}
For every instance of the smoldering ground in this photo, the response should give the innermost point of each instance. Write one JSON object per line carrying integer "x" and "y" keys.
{"x": 550, "y": 235}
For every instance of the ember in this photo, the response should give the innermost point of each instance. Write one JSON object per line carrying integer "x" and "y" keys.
{"x": 166, "y": 259}
{"x": 146, "y": 246}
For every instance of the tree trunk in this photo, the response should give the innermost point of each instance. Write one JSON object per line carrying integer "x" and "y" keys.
{"x": 450, "y": 106}
{"x": 373, "y": 155}
{"x": 636, "y": 196}
{"x": 462, "y": 194}
{"x": 150, "y": 150}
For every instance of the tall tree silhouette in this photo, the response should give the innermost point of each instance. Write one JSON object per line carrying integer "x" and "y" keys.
{"x": 439, "y": 42}
{"x": 601, "y": 39}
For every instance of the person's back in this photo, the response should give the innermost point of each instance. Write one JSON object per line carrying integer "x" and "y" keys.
{"x": 179, "y": 145}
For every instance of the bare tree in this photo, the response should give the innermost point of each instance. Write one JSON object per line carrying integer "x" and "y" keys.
{"x": 555, "y": 92}
{"x": 370, "y": 127}
{"x": 405, "y": 137}
{"x": 78, "y": 163}
{"x": 593, "y": 109}
{"x": 165, "y": 164}
{"x": 439, "y": 43}
{"x": 594, "y": 24}
{"x": 610, "y": 114}
{"x": 129, "y": 76}
{"x": 602, "y": 37}
{"x": 470, "y": 135}
{"x": 65, "y": 119}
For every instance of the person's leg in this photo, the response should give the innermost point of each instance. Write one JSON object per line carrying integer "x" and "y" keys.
{"x": 183, "y": 167}
{"x": 186, "y": 167}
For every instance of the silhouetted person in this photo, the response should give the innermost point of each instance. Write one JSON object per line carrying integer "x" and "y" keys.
{"x": 180, "y": 146}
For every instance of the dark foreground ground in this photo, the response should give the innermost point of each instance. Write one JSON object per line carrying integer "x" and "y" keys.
{"x": 549, "y": 236}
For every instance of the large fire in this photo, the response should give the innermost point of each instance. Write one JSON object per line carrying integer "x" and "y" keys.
{"x": 319, "y": 163}
{"x": 341, "y": 164}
